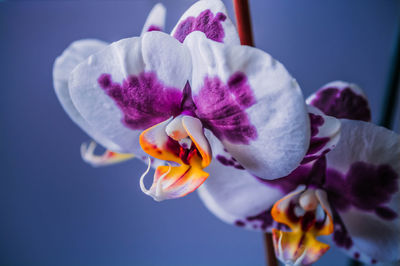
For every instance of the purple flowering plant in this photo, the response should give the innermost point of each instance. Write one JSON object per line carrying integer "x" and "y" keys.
{"x": 230, "y": 121}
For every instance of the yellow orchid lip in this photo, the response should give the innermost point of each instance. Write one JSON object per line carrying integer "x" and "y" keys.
{"x": 307, "y": 214}
{"x": 179, "y": 140}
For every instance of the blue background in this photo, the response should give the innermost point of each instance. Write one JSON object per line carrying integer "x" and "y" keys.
{"x": 57, "y": 210}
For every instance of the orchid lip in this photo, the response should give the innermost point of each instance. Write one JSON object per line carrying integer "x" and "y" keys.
{"x": 306, "y": 213}
{"x": 181, "y": 141}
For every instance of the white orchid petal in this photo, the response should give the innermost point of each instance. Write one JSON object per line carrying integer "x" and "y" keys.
{"x": 122, "y": 89}
{"x": 156, "y": 19}
{"x": 367, "y": 158}
{"x": 251, "y": 103}
{"x": 76, "y": 53}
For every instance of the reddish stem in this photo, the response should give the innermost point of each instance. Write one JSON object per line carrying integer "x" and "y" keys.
{"x": 243, "y": 20}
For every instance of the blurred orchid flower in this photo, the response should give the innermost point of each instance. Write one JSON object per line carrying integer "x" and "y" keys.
{"x": 346, "y": 190}
{"x": 181, "y": 97}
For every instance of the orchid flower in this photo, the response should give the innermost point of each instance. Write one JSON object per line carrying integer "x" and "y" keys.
{"x": 187, "y": 98}
{"x": 346, "y": 191}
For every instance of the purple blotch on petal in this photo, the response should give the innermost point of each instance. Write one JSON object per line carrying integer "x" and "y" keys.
{"x": 222, "y": 108}
{"x": 386, "y": 213}
{"x": 239, "y": 223}
{"x": 317, "y": 175}
{"x": 342, "y": 104}
{"x": 370, "y": 186}
{"x": 239, "y": 167}
{"x": 239, "y": 86}
{"x": 315, "y": 122}
{"x": 316, "y": 143}
{"x": 290, "y": 182}
{"x": 312, "y": 157}
{"x": 340, "y": 235}
{"x": 312, "y": 175}
{"x": 205, "y": 22}
{"x": 143, "y": 99}
{"x": 229, "y": 162}
{"x": 337, "y": 189}
{"x": 154, "y": 28}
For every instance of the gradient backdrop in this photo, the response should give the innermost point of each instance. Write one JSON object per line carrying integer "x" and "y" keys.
{"x": 56, "y": 210}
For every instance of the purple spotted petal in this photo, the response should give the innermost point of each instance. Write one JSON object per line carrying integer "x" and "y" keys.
{"x": 209, "y": 17}
{"x": 130, "y": 85}
{"x": 312, "y": 174}
{"x": 371, "y": 187}
{"x": 205, "y": 22}
{"x": 342, "y": 100}
{"x": 325, "y": 133}
{"x": 361, "y": 179}
{"x": 221, "y": 107}
{"x": 342, "y": 240}
{"x": 143, "y": 99}
{"x": 247, "y": 99}
{"x": 363, "y": 186}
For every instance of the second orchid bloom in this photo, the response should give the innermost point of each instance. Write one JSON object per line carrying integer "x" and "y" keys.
{"x": 345, "y": 192}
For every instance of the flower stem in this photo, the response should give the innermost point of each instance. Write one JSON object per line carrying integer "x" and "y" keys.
{"x": 392, "y": 85}
{"x": 269, "y": 250}
{"x": 242, "y": 13}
